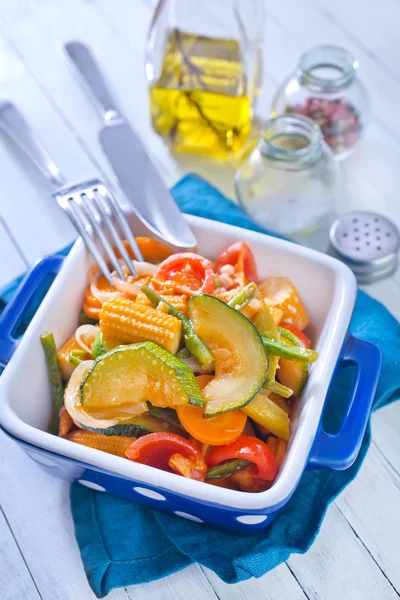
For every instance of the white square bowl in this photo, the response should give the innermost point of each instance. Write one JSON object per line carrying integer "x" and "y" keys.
{"x": 328, "y": 290}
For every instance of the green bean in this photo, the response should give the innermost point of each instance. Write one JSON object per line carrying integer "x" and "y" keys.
{"x": 274, "y": 386}
{"x": 227, "y": 468}
{"x": 56, "y": 386}
{"x": 76, "y": 356}
{"x": 287, "y": 351}
{"x": 243, "y": 298}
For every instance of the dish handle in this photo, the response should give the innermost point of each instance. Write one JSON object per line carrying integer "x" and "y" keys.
{"x": 15, "y": 309}
{"x": 338, "y": 451}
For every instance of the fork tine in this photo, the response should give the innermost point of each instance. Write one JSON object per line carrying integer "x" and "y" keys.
{"x": 107, "y": 222}
{"x": 76, "y": 217}
{"x": 82, "y": 201}
{"x": 120, "y": 218}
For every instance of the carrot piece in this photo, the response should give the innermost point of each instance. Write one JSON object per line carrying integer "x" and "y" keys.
{"x": 91, "y": 311}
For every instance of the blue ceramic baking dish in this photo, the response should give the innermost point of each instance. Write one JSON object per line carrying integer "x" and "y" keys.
{"x": 328, "y": 289}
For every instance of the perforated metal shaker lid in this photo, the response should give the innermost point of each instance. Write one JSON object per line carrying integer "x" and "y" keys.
{"x": 368, "y": 243}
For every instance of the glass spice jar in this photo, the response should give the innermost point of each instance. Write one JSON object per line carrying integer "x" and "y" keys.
{"x": 326, "y": 88}
{"x": 289, "y": 182}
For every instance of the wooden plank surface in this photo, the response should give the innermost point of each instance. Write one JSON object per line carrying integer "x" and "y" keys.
{"x": 355, "y": 554}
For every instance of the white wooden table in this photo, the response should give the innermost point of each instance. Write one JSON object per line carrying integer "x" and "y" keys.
{"x": 356, "y": 555}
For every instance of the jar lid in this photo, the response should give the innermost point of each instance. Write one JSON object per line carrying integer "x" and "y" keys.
{"x": 368, "y": 243}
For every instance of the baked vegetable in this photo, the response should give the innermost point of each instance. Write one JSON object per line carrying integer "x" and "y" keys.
{"x": 113, "y": 444}
{"x": 241, "y": 363}
{"x": 56, "y": 385}
{"x": 122, "y": 321}
{"x": 120, "y": 382}
{"x": 141, "y": 425}
{"x": 227, "y": 468}
{"x": 292, "y": 373}
{"x": 280, "y": 292}
{"x": 192, "y": 341}
{"x": 268, "y": 414}
{"x": 169, "y": 452}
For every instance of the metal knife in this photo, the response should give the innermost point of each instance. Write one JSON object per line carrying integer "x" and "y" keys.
{"x": 140, "y": 181}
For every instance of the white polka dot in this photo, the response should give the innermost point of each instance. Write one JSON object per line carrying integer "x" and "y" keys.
{"x": 252, "y": 519}
{"x": 187, "y": 516}
{"x": 149, "y": 493}
{"x": 43, "y": 460}
{"x": 91, "y": 485}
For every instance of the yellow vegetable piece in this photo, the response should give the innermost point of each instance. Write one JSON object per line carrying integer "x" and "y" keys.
{"x": 268, "y": 414}
{"x": 279, "y": 292}
{"x": 124, "y": 321}
{"x": 113, "y": 444}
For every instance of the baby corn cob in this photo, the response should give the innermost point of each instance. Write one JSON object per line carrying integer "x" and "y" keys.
{"x": 178, "y": 301}
{"x": 113, "y": 444}
{"x": 124, "y": 321}
{"x": 66, "y": 423}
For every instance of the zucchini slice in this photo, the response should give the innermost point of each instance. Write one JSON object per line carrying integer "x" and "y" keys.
{"x": 141, "y": 425}
{"x": 241, "y": 362}
{"x": 122, "y": 380}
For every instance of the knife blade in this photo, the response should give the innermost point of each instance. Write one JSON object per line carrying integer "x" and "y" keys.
{"x": 142, "y": 185}
{"x": 139, "y": 179}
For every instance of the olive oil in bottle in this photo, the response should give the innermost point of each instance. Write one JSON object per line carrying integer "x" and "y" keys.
{"x": 199, "y": 102}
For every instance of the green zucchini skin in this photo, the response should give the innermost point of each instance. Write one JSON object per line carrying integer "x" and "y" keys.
{"x": 144, "y": 424}
{"x": 249, "y": 362}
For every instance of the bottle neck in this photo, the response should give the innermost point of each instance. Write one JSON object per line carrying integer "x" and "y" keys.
{"x": 291, "y": 141}
{"x": 327, "y": 69}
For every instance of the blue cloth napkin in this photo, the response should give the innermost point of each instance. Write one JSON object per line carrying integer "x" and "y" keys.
{"x": 122, "y": 543}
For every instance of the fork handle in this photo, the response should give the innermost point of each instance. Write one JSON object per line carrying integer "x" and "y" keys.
{"x": 13, "y": 123}
{"x": 84, "y": 61}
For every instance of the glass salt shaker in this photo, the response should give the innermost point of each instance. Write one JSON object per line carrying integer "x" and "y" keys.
{"x": 325, "y": 87}
{"x": 289, "y": 182}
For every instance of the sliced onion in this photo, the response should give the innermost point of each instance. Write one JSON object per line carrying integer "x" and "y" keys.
{"x": 76, "y": 412}
{"x": 192, "y": 363}
{"x": 94, "y": 273}
{"x": 144, "y": 268}
{"x": 101, "y": 295}
{"x": 126, "y": 287}
{"x": 86, "y": 330}
{"x": 71, "y": 400}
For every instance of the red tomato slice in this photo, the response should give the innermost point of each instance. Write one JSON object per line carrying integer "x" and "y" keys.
{"x": 248, "y": 448}
{"x": 168, "y": 452}
{"x": 241, "y": 257}
{"x": 301, "y": 336}
{"x": 191, "y": 273}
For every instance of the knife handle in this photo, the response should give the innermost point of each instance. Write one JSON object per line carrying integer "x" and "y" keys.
{"x": 84, "y": 61}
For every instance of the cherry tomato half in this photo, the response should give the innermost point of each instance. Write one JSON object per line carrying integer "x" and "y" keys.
{"x": 191, "y": 274}
{"x": 239, "y": 256}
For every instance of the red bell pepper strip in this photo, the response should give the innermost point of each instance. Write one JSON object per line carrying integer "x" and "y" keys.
{"x": 168, "y": 452}
{"x": 191, "y": 273}
{"x": 247, "y": 448}
{"x": 241, "y": 257}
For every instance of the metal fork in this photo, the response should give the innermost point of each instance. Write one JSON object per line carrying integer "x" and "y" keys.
{"x": 89, "y": 205}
